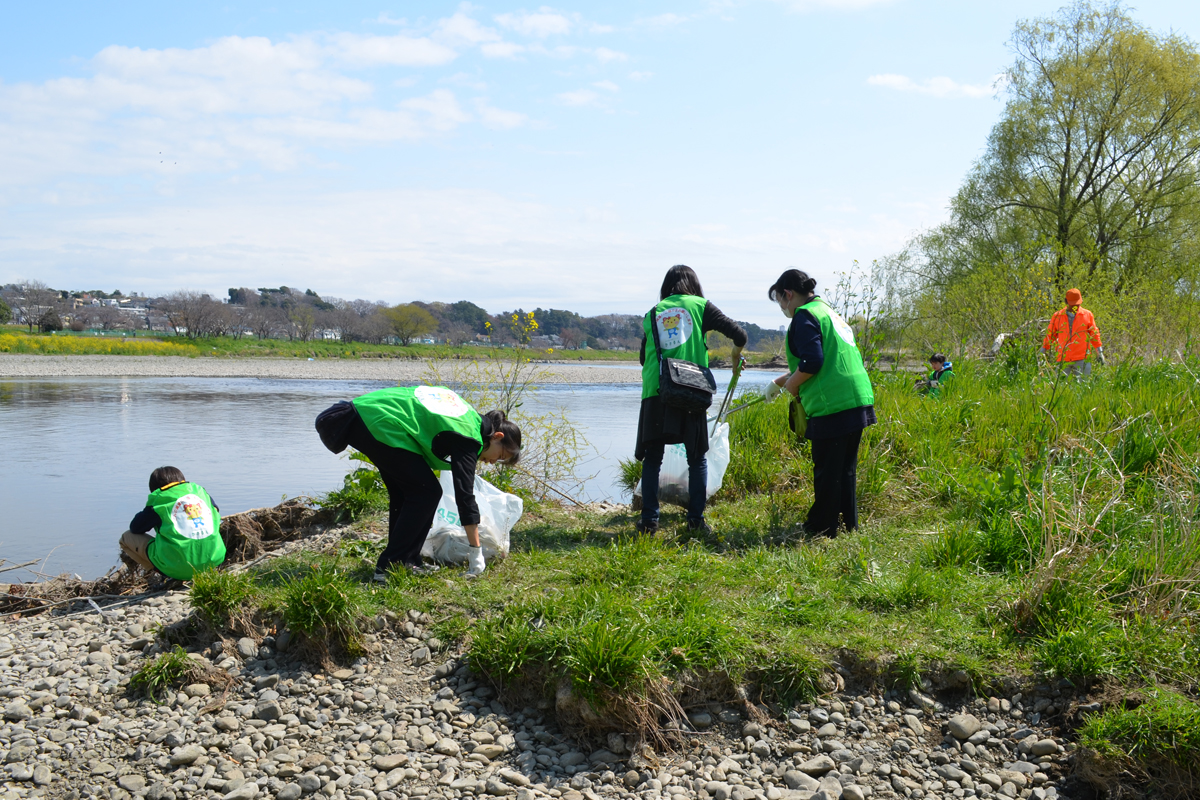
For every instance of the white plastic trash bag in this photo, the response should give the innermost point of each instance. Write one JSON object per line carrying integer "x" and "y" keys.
{"x": 498, "y": 513}
{"x": 673, "y": 479}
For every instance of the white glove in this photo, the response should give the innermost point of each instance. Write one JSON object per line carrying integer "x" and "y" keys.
{"x": 475, "y": 563}
{"x": 773, "y": 391}
{"x": 1100, "y": 352}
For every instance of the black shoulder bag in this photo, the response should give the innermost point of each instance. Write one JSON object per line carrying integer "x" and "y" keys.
{"x": 682, "y": 384}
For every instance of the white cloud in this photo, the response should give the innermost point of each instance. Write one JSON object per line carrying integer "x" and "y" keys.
{"x": 579, "y": 97}
{"x": 936, "y": 87}
{"x": 831, "y": 5}
{"x": 604, "y": 55}
{"x": 663, "y": 20}
{"x": 607, "y": 86}
{"x": 463, "y": 28}
{"x": 501, "y": 49}
{"x": 498, "y": 119}
{"x": 441, "y": 106}
{"x": 539, "y": 24}
{"x": 399, "y": 50}
{"x": 640, "y": 76}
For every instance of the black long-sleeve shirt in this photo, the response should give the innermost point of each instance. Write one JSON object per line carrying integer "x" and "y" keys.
{"x": 463, "y": 453}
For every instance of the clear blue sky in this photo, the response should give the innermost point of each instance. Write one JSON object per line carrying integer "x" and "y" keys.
{"x": 511, "y": 155}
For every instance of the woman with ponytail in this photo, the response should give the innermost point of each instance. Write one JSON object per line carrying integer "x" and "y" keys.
{"x": 827, "y": 378}
{"x": 407, "y": 433}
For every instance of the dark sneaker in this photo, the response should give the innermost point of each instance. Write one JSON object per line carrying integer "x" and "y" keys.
{"x": 700, "y": 527}
{"x": 646, "y": 526}
{"x": 380, "y": 578}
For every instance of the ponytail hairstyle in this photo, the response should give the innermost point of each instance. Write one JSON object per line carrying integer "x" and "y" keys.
{"x": 512, "y": 434}
{"x": 165, "y": 476}
{"x": 680, "y": 279}
{"x": 794, "y": 280}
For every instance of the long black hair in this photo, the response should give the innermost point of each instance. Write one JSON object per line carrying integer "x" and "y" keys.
{"x": 164, "y": 476}
{"x": 512, "y": 434}
{"x": 680, "y": 279}
{"x": 793, "y": 280}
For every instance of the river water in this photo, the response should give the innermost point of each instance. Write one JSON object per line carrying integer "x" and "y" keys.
{"x": 78, "y": 451}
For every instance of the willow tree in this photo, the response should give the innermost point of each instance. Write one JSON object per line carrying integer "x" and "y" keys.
{"x": 1091, "y": 176}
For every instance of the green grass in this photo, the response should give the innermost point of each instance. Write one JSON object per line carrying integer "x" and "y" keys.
{"x": 325, "y": 605}
{"x": 1018, "y": 526}
{"x": 168, "y": 670}
{"x": 1159, "y": 738}
{"x": 222, "y": 598}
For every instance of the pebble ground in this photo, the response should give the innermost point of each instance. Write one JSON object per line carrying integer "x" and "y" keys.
{"x": 410, "y": 721}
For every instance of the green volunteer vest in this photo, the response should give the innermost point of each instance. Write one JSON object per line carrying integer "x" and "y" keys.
{"x": 680, "y": 320}
{"x": 842, "y": 381}
{"x": 936, "y": 391}
{"x": 188, "y": 534}
{"x": 409, "y": 418}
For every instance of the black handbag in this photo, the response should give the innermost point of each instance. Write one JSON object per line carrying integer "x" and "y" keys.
{"x": 682, "y": 384}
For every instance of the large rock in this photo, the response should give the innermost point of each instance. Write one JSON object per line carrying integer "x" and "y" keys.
{"x": 247, "y": 647}
{"x": 963, "y": 726}
{"x": 186, "y": 755}
{"x": 387, "y": 763}
{"x": 17, "y": 712}
{"x": 818, "y": 766}
{"x": 795, "y": 779}
{"x": 247, "y": 791}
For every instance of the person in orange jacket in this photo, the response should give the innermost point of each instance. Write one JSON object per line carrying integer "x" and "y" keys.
{"x": 1073, "y": 329}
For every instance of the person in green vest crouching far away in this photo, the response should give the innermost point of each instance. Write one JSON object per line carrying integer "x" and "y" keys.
{"x": 186, "y": 524}
{"x": 942, "y": 372}
{"x": 827, "y": 377}
{"x": 407, "y": 433}
{"x": 682, "y": 317}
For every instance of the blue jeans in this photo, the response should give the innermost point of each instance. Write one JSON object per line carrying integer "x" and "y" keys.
{"x": 697, "y": 483}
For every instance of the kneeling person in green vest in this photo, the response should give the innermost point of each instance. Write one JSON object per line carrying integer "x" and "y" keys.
{"x": 943, "y": 371}
{"x": 407, "y": 433}
{"x": 187, "y": 526}
{"x": 827, "y": 376}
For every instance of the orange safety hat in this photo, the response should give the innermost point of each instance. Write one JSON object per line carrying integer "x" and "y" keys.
{"x": 1074, "y": 297}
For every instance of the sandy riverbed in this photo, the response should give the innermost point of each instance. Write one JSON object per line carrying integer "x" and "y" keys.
{"x": 400, "y": 371}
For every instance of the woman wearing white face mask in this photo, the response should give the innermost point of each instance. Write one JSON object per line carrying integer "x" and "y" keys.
{"x": 826, "y": 375}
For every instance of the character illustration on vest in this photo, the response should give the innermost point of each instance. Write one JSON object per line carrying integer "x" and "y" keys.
{"x": 674, "y": 327}
{"x": 441, "y": 400}
{"x": 842, "y": 328}
{"x": 192, "y": 518}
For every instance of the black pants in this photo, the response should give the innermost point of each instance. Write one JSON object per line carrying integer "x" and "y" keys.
{"x": 413, "y": 495}
{"x": 835, "y": 468}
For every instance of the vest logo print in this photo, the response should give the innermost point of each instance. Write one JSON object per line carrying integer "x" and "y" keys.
{"x": 844, "y": 331}
{"x": 441, "y": 401}
{"x": 675, "y": 327}
{"x": 192, "y": 518}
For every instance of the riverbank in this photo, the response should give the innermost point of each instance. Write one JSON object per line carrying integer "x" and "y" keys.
{"x": 252, "y": 715}
{"x": 334, "y": 369}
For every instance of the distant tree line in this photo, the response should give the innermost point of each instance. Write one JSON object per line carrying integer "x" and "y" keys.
{"x": 304, "y": 315}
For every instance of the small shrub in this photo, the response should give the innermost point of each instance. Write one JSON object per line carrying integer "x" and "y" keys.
{"x": 603, "y": 655}
{"x": 362, "y": 492}
{"x": 176, "y": 668}
{"x": 221, "y": 597}
{"x": 790, "y": 673}
{"x": 1159, "y": 739}
{"x": 325, "y": 606}
{"x": 164, "y": 672}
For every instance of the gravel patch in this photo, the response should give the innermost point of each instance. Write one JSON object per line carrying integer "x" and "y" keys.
{"x": 412, "y": 722}
{"x": 334, "y": 369}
